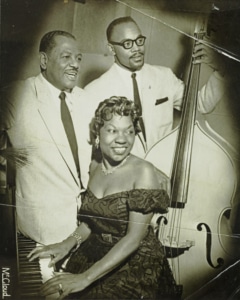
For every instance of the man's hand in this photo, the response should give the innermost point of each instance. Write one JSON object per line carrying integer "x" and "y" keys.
{"x": 204, "y": 52}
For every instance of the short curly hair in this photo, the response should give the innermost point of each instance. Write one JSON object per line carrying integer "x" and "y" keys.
{"x": 48, "y": 42}
{"x": 115, "y": 23}
{"x": 115, "y": 105}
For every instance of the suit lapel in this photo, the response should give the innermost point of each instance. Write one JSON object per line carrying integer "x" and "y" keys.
{"x": 50, "y": 115}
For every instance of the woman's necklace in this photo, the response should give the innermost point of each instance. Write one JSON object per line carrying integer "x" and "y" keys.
{"x": 110, "y": 171}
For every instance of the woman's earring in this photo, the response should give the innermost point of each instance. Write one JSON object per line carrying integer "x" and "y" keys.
{"x": 97, "y": 142}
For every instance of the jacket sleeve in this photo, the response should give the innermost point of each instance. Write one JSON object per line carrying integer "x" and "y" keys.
{"x": 211, "y": 93}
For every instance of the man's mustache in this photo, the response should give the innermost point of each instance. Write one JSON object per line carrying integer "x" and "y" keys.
{"x": 75, "y": 69}
{"x": 137, "y": 54}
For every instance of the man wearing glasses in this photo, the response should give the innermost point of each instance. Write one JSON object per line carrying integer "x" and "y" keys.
{"x": 155, "y": 89}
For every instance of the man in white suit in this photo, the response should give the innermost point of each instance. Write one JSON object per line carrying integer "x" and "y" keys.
{"x": 160, "y": 90}
{"x": 48, "y": 185}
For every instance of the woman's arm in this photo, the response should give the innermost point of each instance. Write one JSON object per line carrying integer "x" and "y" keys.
{"x": 137, "y": 229}
{"x": 59, "y": 250}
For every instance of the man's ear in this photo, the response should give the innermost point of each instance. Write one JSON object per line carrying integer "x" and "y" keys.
{"x": 43, "y": 60}
{"x": 111, "y": 49}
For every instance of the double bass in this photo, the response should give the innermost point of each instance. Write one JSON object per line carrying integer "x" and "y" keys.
{"x": 196, "y": 232}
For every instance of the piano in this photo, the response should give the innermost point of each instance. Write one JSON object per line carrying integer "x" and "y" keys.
{"x": 31, "y": 275}
{"x": 25, "y": 277}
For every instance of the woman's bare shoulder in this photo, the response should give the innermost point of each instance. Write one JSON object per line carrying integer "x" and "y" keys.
{"x": 144, "y": 173}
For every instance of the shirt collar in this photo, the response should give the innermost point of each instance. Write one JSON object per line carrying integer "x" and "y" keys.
{"x": 126, "y": 72}
{"x": 55, "y": 92}
{"x": 125, "y": 75}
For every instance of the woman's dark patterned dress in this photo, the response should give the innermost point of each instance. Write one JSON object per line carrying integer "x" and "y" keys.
{"x": 143, "y": 275}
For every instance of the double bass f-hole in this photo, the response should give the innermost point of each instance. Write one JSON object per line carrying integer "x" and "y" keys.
{"x": 220, "y": 261}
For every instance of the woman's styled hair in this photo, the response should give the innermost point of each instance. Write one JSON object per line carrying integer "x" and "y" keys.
{"x": 114, "y": 106}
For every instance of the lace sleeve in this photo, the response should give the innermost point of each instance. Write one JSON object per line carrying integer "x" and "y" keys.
{"x": 146, "y": 201}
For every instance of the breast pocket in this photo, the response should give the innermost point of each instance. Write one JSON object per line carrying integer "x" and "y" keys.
{"x": 161, "y": 100}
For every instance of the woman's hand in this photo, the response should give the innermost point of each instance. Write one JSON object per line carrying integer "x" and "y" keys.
{"x": 55, "y": 251}
{"x": 64, "y": 284}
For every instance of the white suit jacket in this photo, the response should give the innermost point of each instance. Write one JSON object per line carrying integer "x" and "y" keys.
{"x": 160, "y": 92}
{"x": 47, "y": 187}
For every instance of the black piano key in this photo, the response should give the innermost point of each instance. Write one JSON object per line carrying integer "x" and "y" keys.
{"x": 30, "y": 277}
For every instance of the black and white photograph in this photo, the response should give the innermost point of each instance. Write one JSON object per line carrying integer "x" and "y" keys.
{"x": 120, "y": 149}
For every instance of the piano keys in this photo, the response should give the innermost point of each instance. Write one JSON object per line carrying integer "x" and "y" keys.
{"x": 31, "y": 275}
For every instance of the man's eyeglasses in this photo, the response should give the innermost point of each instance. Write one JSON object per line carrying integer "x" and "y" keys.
{"x": 128, "y": 44}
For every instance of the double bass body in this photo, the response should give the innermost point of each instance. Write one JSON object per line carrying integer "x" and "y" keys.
{"x": 197, "y": 237}
{"x": 196, "y": 233}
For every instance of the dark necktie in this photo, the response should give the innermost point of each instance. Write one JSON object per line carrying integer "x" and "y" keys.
{"x": 69, "y": 129}
{"x": 138, "y": 103}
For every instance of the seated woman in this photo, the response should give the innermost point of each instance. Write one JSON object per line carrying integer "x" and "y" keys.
{"x": 117, "y": 256}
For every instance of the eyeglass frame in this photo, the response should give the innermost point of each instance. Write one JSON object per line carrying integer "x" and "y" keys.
{"x": 127, "y": 40}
